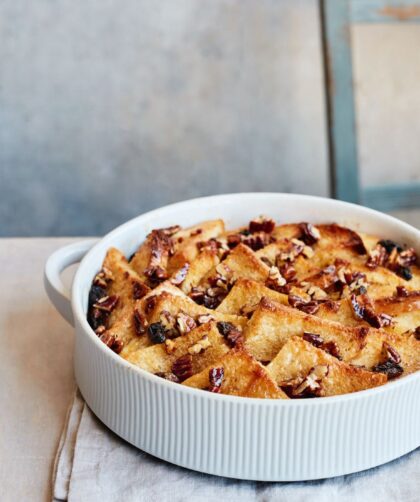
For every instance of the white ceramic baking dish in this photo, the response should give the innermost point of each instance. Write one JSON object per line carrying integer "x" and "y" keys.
{"x": 254, "y": 439}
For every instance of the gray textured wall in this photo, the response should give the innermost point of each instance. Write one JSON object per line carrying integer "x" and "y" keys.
{"x": 110, "y": 108}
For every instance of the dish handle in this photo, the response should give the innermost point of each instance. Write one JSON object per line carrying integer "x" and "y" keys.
{"x": 57, "y": 292}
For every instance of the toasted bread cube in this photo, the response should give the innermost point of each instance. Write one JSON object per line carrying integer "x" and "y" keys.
{"x": 123, "y": 326}
{"x": 206, "y": 260}
{"x": 126, "y": 284}
{"x": 245, "y": 296}
{"x": 174, "y": 304}
{"x": 297, "y": 358}
{"x": 186, "y": 240}
{"x": 272, "y": 324}
{"x": 241, "y": 262}
{"x": 160, "y": 358}
{"x": 243, "y": 376}
{"x": 372, "y": 353}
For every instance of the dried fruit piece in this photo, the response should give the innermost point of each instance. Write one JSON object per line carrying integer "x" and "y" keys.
{"x": 215, "y": 379}
{"x": 95, "y": 294}
{"x": 230, "y": 333}
{"x": 156, "y": 332}
{"x": 391, "y": 369}
{"x": 182, "y": 367}
{"x": 391, "y": 365}
{"x": 417, "y": 333}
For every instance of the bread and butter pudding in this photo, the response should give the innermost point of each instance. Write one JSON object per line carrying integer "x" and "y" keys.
{"x": 268, "y": 311}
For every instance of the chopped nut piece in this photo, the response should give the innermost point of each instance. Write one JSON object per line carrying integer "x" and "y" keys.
{"x": 112, "y": 342}
{"x": 168, "y": 376}
{"x": 309, "y": 233}
{"x": 204, "y": 319}
{"x": 185, "y": 323}
{"x": 215, "y": 379}
{"x": 150, "y": 304}
{"x": 313, "y": 338}
{"x": 391, "y": 353}
{"x": 179, "y": 277}
{"x": 311, "y": 384}
{"x": 231, "y": 333}
{"x": 169, "y": 346}
{"x": 308, "y": 251}
{"x": 317, "y": 293}
{"x": 100, "y": 330}
{"x": 262, "y": 224}
{"x": 182, "y": 367}
{"x": 140, "y": 323}
{"x": 139, "y": 290}
{"x": 107, "y": 303}
{"x": 401, "y": 291}
{"x": 200, "y": 346}
{"x": 363, "y": 309}
{"x": 275, "y": 280}
{"x": 318, "y": 341}
{"x": 309, "y": 307}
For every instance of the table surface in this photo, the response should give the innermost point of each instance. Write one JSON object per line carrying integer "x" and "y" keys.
{"x": 36, "y": 370}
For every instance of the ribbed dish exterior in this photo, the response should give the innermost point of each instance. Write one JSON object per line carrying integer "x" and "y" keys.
{"x": 250, "y": 439}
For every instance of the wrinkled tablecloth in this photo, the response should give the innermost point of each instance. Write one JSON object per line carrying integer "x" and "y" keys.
{"x": 94, "y": 464}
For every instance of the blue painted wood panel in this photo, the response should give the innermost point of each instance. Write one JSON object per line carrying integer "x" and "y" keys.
{"x": 340, "y": 100}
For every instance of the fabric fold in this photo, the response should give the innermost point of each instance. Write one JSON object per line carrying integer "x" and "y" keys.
{"x": 94, "y": 464}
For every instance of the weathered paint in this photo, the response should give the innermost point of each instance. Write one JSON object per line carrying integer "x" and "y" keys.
{"x": 384, "y": 11}
{"x": 337, "y": 17}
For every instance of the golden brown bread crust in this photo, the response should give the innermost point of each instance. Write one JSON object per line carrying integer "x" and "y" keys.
{"x": 328, "y": 309}
{"x": 296, "y": 359}
{"x": 243, "y": 376}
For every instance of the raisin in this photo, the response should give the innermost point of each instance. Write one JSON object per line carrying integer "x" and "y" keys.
{"x": 390, "y": 368}
{"x": 389, "y": 245}
{"x": 95, "y": 294}
{"x": 405, "y": 273}
{"x": 156, "y": 332}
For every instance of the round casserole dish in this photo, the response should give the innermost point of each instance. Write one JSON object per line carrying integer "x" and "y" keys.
{"x": 244, "y": 438}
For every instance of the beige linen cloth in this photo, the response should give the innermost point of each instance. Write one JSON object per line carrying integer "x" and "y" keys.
{"x": 93, "y": 464}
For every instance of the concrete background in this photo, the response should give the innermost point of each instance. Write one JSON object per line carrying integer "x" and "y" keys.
{"x": 108, "y": 109}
